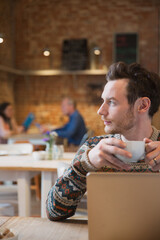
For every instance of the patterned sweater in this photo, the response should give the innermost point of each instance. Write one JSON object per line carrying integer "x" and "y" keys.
{"x": 68, "y": 190}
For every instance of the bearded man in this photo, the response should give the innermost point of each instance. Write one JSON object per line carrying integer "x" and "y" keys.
{"x": 130, "y": 98}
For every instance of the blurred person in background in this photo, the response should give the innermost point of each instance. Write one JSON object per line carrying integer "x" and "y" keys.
{"x": 8, "y": 125}
{"x": 75, "y": 128}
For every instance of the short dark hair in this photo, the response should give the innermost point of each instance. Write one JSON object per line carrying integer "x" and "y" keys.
{"x": 142, "y": 83}
{"x": 71, "y": 101}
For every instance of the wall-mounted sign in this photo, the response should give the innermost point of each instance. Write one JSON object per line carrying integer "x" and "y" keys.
{"x": 74, "y": 54}
{"x": 126, "y": 47}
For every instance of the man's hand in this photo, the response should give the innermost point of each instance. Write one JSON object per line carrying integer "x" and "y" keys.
{"x": 103, "y": 154}
{"x": 43, "y": 128}
{"x": 152, "y": 154}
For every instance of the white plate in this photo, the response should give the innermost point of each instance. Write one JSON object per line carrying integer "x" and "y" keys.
{"x": 14, "y": 152}
{"x": 3, "y": 153}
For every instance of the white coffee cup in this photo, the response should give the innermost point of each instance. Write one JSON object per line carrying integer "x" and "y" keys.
{"x": 136, "y": 148}
{"x": 39, "y": 155}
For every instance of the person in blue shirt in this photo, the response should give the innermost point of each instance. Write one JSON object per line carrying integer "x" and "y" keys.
{"x": 75, "y": 129}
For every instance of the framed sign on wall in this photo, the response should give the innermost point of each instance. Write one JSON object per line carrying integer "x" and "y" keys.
{"x": 74, "y": 54}
{"x": 126, "y": 47}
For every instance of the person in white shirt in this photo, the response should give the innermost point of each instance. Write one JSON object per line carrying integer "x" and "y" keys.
{"x": 8, "y": 125}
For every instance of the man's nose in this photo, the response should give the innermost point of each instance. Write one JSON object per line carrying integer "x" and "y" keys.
{"x": 102, "y": 110}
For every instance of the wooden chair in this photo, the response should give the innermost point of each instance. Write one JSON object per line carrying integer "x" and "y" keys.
{"x": 37, "y": 186}
{"x": 88, "y": 134}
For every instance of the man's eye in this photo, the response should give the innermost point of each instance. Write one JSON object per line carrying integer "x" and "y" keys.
{"x": 111, "y": 102}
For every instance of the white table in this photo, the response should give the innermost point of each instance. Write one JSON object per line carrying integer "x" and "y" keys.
{"x": 22, "y": 168}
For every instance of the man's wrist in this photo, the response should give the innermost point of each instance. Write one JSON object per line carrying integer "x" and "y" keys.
{"x": 87, "y": 165}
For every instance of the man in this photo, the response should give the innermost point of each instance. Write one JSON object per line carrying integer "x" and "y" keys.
{"x": 75, "y": 129}
{"x": 130, "y": 99}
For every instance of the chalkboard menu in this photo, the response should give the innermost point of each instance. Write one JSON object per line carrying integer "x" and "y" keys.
{"x": 126, "y": 47}
{"x": 74, "y": 54}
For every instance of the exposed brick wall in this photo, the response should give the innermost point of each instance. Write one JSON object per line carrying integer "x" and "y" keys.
{"x": 43, "y": 95}
{"x": 41, "y": 23}
{"x": 6, "y": 88}
{"x": 6, "y": 50}
{"x": 7, "y": 29}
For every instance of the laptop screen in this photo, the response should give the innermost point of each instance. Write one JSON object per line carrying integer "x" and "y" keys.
{"x": 123, "y": 206}
{"x": 28, "y": 121}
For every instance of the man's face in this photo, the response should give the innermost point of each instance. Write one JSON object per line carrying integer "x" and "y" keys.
{"x": 117, "y": 114}
{"x": 66, "y": 107}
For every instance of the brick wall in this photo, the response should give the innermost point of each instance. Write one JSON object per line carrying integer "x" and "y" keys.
{"x": 6, "y": 88}
{"x": 42, "y": 23}
{"x": 43, "y": 95}
{"x": 7, "y": 29}
{"x": 46, "y": 23}
{"x": 6, "y": 50}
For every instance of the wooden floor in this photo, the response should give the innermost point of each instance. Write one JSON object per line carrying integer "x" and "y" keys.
{"x": 12, "y": 200}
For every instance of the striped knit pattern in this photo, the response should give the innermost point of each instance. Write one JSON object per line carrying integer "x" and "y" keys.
{"x": 68, "y": 190}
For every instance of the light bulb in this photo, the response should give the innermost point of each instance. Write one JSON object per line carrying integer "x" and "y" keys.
{"x": 1, "y": 40}
{"x": 46, "y": 53}
{"x": 97, "y": 52}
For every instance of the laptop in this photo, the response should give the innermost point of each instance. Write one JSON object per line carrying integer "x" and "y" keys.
{"x": 28, "y": 121}
{"x": 123, "y": 206}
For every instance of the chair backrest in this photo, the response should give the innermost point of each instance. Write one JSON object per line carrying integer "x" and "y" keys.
{"x": 16, "y": 148}
{"x": 85, "y": 137}
{"x": 88, "y": 134}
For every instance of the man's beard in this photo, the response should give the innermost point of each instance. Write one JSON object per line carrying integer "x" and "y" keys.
{"x": 124, "y": 124}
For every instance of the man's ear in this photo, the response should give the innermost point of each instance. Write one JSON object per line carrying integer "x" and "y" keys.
{"x": 144, "y": 104}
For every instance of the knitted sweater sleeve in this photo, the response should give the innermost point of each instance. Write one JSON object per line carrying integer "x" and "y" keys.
{"x": 68, "y": 190}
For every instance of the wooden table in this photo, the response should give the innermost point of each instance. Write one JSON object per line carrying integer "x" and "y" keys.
{"x": 22, "y": 168}
{"x": 43, "y": 229}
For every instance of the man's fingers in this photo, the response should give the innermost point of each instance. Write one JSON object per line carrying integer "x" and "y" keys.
{"x": 151, "y": 146}
{"x": 104, "y": 153}
{"x": 109, "y": 164}
{"x": 114, "y": 142}
{"x": 147, "y": 140}
{"x": 155, "y": 163}
{"x": 111, "y": 147}
{"x": 115, "y": 162}
{"x": 116, "y": 150}
{"x": 150, "y": 156}
{"x": 156, "y": 167}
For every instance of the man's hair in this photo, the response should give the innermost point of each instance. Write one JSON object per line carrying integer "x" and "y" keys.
{"x": 71, "y": 102}
{"x": 142, "y": 83}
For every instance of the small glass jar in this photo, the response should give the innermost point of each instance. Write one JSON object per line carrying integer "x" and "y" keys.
{"x": 49, "y": 151}
{"x": 58, "y": 151}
